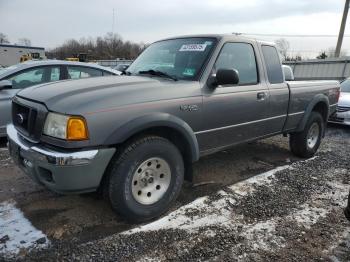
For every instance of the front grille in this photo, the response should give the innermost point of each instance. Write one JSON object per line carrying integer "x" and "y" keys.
{"x": 24, "y": 118}
{"x": 342, "y": 109}
{"x": 28, "y": 117}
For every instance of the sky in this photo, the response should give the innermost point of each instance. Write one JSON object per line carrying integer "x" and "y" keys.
{"x": 48, "y": 23}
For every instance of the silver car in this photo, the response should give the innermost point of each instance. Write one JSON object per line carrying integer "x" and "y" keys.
{"x": 17, "y": 77}
{"x": 342, "y": 116}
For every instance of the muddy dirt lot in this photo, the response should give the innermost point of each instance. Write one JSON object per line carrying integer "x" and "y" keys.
{"x": 254, "y": 202}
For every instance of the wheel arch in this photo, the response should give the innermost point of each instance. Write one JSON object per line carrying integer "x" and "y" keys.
{"x": 320, "y": 103}
{"x": 161, "y": 124}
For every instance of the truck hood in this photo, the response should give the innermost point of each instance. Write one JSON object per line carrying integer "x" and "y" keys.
{"x": 344, "y": 99}
{"x": 86, "y": 95}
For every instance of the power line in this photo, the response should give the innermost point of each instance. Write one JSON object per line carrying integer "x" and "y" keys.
{"x": 287, "y": 35}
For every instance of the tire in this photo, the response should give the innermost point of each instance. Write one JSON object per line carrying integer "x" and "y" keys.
{"x": 145, "y": 199}
{"x": 305, "y": 144}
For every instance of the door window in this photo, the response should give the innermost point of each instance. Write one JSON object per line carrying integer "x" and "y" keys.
{"x": 77, "y": 72}
{"x": 28, "y": 78}
{"x": 55, "y": 74}
{"x": 273, "y": 64}
{"x": 239, "y": 56}
{"x": 35, "y": 76}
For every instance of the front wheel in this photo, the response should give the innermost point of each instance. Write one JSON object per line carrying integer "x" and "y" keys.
{"x": 305, "y": 144}
{"x": 146, "y": 178}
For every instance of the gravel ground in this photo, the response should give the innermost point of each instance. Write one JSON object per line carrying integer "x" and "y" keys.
{"x": 251, "y": 203}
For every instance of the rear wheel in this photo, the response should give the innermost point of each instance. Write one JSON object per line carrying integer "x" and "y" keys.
{"x": 305, "y": 144}
{"x": 146, "y": 178}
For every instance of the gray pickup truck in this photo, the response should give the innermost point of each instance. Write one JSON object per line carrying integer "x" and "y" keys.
{"x": 134, "y": 137}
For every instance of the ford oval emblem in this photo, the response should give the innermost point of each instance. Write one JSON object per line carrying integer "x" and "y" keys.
{"x": 20, "y": 118}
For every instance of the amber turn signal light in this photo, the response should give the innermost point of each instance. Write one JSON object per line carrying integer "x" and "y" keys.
{"x": 77, "y": 129}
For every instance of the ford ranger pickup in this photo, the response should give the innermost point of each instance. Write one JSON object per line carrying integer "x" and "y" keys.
{"x": 135, "y": 137}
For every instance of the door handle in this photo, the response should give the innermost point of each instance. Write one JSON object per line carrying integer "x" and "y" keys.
{"x": 261, "y": 96}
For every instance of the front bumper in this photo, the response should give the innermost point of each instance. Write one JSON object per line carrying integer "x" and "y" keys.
{"x": 61, "y": 171}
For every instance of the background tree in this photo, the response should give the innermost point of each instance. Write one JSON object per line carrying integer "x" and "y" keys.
{"x": 283, "y": 47}
{"x": 3, "y": 39}
{"x": 322, "y": 55}
{"x": 24, "y": 41}
{"x": 297, "y": 57}
{"x": 110, "y": 46}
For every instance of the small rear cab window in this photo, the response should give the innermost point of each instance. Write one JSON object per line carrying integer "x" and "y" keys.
{"x": 273, "y": 64}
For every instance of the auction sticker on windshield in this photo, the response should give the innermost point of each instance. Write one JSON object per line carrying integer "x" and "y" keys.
{"x": 193, "y": 47}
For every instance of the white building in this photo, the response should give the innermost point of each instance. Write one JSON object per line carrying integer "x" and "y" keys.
{"x": 11, "y": 54}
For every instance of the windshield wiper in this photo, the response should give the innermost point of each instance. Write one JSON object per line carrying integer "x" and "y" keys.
{"x": 158, "y": 73}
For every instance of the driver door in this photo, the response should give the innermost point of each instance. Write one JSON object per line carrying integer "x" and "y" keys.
{"x": 235, "y": 113}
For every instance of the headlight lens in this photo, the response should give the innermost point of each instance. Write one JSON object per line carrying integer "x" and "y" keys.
{"x": 56, "y": 125}
{"x": 65, "y": 127}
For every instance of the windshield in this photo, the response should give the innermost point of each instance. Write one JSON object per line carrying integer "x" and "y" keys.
{"x": 345, "y": 86}
{"x": 181, "y": 58}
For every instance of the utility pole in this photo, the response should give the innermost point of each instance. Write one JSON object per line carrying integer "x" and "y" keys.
{"x": 113, "y": 22}
{"x": 342, "y": 28}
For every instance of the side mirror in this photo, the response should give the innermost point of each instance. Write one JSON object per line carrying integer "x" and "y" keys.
{"x": 226, "y": 77}
{"x": 5, "y": 84}
{"x": 288, "y": 73}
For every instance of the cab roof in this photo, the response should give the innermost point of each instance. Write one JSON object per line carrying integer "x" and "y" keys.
{"x": 222, "y": 37}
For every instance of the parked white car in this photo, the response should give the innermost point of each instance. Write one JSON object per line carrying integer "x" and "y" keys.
{"x": 342, "y": 116}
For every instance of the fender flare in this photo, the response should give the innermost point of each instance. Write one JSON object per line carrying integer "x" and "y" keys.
{"x": 317, "y": 99}
{"x": 156, "y": 120}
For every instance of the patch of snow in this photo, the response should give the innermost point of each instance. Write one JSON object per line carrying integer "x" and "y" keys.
{"x": 308, "y": 160}
{"x": 209, "y": 215}
{"x": 247, "y": 186}
{"x": 16, "y": 232}
{"x": 262, "y": 235}
{"x": 308, "y": 215}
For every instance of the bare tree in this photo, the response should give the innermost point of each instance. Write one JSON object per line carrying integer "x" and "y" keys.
{"x": 110, "y": 46}
{"x": 283, "y": 47}
{"x": 3, "y": 39}
{"x": 24, "y": 41}
{"x": 322, "y": 55}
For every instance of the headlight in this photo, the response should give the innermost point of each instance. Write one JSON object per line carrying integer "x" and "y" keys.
{"x": 65, "y": 127}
